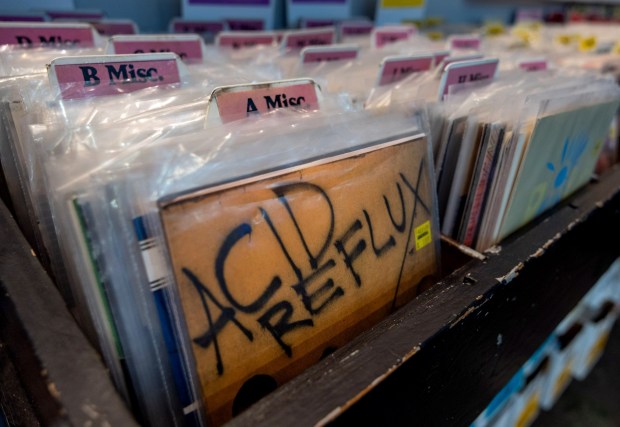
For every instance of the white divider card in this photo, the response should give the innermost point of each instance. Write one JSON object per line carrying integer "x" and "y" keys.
{"x": 355, "y": 28}
{"x": 382, "y": 36}
{"x": 328, "y": 53}
{"x": 312, "y": 37}
{"x": 179, "y": 25}
{"x": 189, "y": 47}
{"x": 452, "y": 59}
{"x": 115, "y": 27}
{"x": 91, "y": 76}
{"x": 240, "y": 39}
{"x": 465, "y": 72}
{"x": 533, "y": 64}
{"x": 75, "y": 14}
{"x": 396, "y": 68}
{"x": 241, "y": 101}
{"x": 240, "y": 15}
{"x": 396, "y": 11}
{"x": 464, "y": 42}
{"x": 36, "y": 34}
{"x": 298, "y": 11}
{"x": 9, "y": 16}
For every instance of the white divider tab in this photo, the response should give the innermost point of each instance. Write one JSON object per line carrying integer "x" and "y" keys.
{"x": 36, "y": 34}
{"x": 465, "y": 72}
{"x": 241, "y": 101}
{"x": 189, "y": 47}
{"x": 91, "y": 76}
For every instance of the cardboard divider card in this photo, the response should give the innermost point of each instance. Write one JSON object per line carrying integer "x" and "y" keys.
{"x": 47, "y": 34}
{"x": 299, "y": 257}
{"x": 397, "y": 68}
{"x": 328, "y": 53}
{"x": 312, "y": 37}
{"x": 240, "y": 39}
{"x": 538, "y": 64}
{"x": 465, "y": 42}
{"x": 114, "y": 27}
{"x": 242, "y": 101}
{"x": 91, "y": 76}
{"x": 465, "y": 72}
{"x": 178, "y": 25}
{"x": 382, "y": 36}
{"x": 189, "y": 47}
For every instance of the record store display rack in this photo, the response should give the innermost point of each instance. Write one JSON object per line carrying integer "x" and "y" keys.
{"x": 333, "y": 225}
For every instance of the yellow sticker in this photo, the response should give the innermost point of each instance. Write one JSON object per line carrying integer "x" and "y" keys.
{"x": 435, "y": 35}
{"x": 616, "y": 48}
{"x": 529, "y": 412}
{"x": 587, "y": 44}
{"x": 566, "y": 39}
{"x": 423, "y": 235}
{"x": 562, "y": 381}
{"x": 402, "y": 3}
{"x": 494, "y": 28}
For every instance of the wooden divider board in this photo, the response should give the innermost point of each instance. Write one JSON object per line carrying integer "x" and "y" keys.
{"x": 275, "y": 269}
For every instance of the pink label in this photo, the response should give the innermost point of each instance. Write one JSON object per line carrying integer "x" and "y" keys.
{"x": 237, "y": 41}
{"x": 73, "y": 14}
{"x": 385, "y": 37}
{"x": 22, "y": 18}
{"x": 197, "y": 27}
{"x": 467, "y": 73}
{"x": 239, "y": 105}
{"x": 440, "y": 56}
{"x": 533, "y": 65}
{"x": 397, "y": 69}
{"x": 472, "y": 43}
{"x": 113, "y": 28}
{"x": 356, "y": 28}
{"x": 453, "y": 59}
{"x": 190, "y": 51}
{"x": 328, "y": 54}
{"x": 111, "y": 78}
{"x": 246, "y": 24}
{"x": 317, "y": 23}
{"x": 302, "y": 39}
{"x": 47, "y": 36}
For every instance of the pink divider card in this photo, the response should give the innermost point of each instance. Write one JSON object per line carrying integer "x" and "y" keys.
{"x": 464, "y": 42}
{"x": 198, "y": 27}
{"x": 240, "y": 102}
{"x": 440, "y": 56}
{"x": 86, "y": 77}
{"x": 317, "y": 23}
{"x": 533, "y": 65}
{"x": 465, "y": 72}
{"x": 239, "y": 39}
{"x": 382, "y": 36}
{"x": 328, "y": 53}
{"x": 75, "y": 14}
{"x": 245, "y": 24}
{"x": 16, "y": 17}
{"x": 396, "y": 68}
{"x": 114, "y": 27}
{"x": 313, "y": 37}
{"x": 187, "y": 46}
{"x": 356, "y": 28}
{"x": 46, "y": 34}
